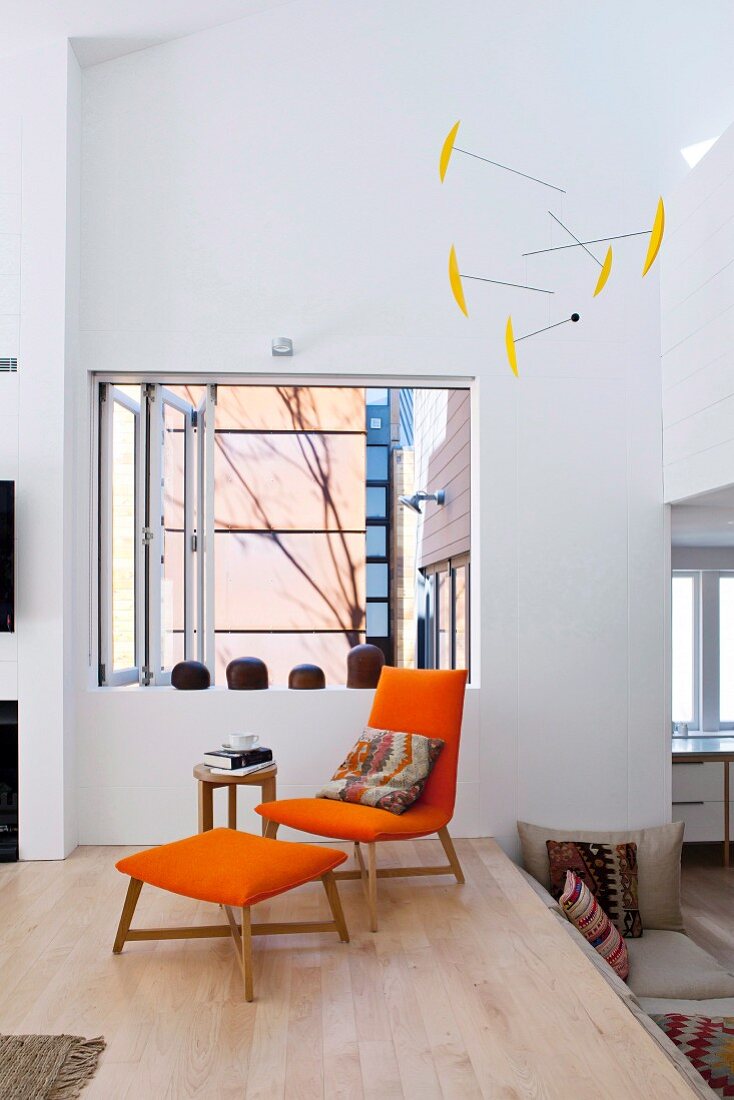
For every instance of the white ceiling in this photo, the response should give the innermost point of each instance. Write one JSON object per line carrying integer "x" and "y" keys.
{"x": 706, "y": 520}
{"x": 103, "y": 29}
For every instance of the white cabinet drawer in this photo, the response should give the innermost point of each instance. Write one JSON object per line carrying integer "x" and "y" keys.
{"x": 698, "y": 782}
{"x": 704, "y": 820}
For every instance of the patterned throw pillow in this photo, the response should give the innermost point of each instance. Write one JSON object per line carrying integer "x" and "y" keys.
{"x": 385, "y": 769}
{"x": 584, "y": 911}
{"x": 610, "y": 872}
{"x": 708, "y": 1044}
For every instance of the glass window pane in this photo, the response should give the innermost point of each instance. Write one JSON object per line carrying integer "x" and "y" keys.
{"x": 377, "y": 620}
{"x": 377, "y": 397}
{"x": 726, "y": 649}
{"x": 376, "y": 579}
{"x": 290, "y": 408}
{"x": 377, "y": 542}
{"x": 293, "y": 481}
{"x": 683, "y": 673}
{"x": 460, "y": 639}
{"x": 123, "y": 537}
{"x": 444, "y": 621}
{"x": 301, "y": 581}
{"x": 377, "y": 463}
{"x": 172, "y": 555}
{"x": 376, "y": 502}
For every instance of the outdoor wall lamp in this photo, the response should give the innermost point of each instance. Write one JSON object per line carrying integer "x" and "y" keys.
{"x": 414, "y": 502}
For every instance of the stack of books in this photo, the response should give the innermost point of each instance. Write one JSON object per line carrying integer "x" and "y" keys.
{"x": 238, "y": 761}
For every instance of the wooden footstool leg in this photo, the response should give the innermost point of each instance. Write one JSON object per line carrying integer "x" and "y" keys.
{"x": 332, "y": 894}
{"x": 271, "y": 829}
{"x": 242, "y": 937}
{"x": 131, "y": 900}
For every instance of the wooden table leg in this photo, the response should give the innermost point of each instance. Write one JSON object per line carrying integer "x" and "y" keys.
{"x": 232, "y": 805}
{"x": 726, "y": 814}
{"x": 206, "y": 807}
{"x": 268, "y": 790}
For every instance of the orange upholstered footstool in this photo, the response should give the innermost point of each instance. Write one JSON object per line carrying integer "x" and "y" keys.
{"x": 235, "y": 870}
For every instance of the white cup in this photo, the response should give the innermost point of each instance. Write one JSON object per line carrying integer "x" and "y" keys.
{"x": 243, "y": 740}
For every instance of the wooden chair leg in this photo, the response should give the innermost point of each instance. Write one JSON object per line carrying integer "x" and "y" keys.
{"x": 448, "y": 847}
{"x": 232, "y": 806}
{"x": 131, "y": 900}
{"x": 271, "y": 829}
{"x": 332, "y": 894}
{"x": 242, "y": 939}
{"x": 372, "y": 885}
{"x": 247, "y": 954}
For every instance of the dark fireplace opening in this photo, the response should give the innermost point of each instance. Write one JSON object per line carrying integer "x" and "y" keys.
{"x": 8, "y": 782}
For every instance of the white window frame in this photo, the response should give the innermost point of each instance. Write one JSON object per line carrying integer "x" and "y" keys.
{"x": 157, "y": 397}
{"x": 109, "y": 396}
{"x": 149, "y": 412}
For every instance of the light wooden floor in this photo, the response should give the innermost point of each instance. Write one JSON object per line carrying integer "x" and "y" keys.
{"x": 708, "y": 900}
{"x": 414, "y": 1011}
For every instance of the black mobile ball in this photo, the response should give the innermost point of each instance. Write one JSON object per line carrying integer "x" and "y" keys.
{"x": 575, "y": 316}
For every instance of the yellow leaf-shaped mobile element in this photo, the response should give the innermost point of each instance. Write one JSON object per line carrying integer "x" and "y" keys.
{"x": 447, "y": 149}
{"x": 455, "y": 280}
{"x": 656, "y": 238}
{"x": 510, "y": 345}
{"x": 601, "y": 282}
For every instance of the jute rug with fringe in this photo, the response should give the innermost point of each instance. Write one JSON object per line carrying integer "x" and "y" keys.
{"x": 46, "y": 1067}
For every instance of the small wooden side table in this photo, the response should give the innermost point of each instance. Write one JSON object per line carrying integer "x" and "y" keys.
{"x": 209, "y": 783}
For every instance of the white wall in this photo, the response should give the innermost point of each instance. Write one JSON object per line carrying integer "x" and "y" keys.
{"x": 280, "y": 175}
{"x": 40, "y": 95}
{"x": 697, "y": 299}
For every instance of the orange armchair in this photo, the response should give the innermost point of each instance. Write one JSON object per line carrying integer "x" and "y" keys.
{"x": 414, "y": 701}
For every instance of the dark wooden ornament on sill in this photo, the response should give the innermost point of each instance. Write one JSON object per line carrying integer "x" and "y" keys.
{"x": 306, "y": 678}
{"x": 364, "y": 665}
{"x": 190, "y": 676}
{"x": 247, "y": 674}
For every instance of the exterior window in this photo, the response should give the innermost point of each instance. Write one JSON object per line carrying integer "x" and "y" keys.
{"x": 376, "y": 542}
{"x": 684, "y": 648}
{"x": 376, "y": 502}
{"x": 702, "y": 617}
{"x": 446, "y": 597}
{"x": 270, "y": 521}
{"x": 726, "y": 651}
{"x": 461, "y": 637}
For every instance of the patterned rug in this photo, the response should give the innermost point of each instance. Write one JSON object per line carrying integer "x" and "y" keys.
{"x": 46, "y": 1067}
{"x": 708, "y": 1044}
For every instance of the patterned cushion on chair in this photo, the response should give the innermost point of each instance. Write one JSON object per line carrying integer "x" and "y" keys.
{"x": 609, "y": 871}
{"x": 584, "y": 911}
{"x": 708, "y": 1044}
{"x": 385, "y": 769}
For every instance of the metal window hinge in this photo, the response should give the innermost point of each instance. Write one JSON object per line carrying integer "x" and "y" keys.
{"x": 149, "y": 392}
{"x": 148, "y": 535}
{"x": 194, "y": 418}
{"x": 194, "y": 543}
{"x": 102, "y": 674}
{"x": 103, "y": 391}
{"x": 146, "y": 676}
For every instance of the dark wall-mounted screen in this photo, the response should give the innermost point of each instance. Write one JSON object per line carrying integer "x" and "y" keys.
{"x": 7, "y": 556}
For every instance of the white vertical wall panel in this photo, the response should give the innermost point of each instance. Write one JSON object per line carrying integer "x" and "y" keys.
{"x": 697, "y": 327}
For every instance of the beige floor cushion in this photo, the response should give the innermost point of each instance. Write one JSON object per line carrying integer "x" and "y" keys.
{"x": 669, "y": 964}
{"x": 658, "y": 864}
